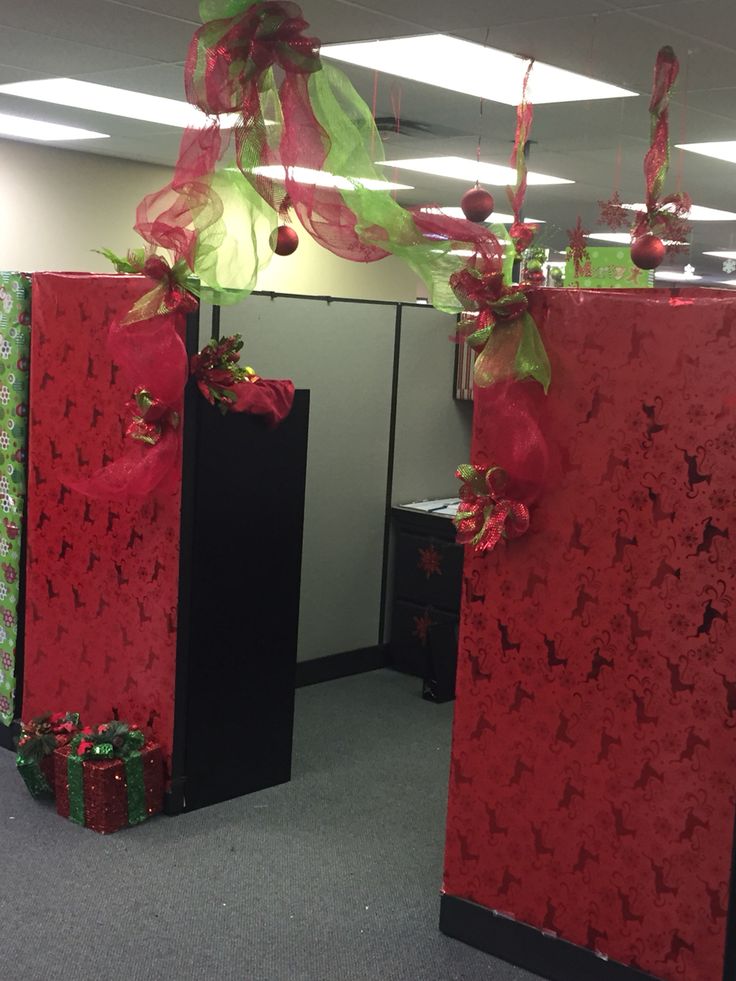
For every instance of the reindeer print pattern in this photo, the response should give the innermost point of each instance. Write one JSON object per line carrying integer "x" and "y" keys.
{"x": 14, "y": 353}
{"x": 104, "y": 577}
{"x": 610, "y": 767}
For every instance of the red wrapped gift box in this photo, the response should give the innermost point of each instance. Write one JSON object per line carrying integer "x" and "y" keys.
{"x": 102, "y": 577}
{"x": 105, "y": 789}
{"x": 594, "y": 743}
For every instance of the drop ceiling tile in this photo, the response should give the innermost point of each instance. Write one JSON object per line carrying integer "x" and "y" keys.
{"x": 49, "y": 56}
{"x": 108, "y": 26}
{"x": 187, "y": 10}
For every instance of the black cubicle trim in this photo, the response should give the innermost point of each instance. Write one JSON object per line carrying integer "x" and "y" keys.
{"x": 174, "y": 801}
{"x": 729, "y": 957}
{"x": 390, "y": 475}
{"x": 528, "y": 947}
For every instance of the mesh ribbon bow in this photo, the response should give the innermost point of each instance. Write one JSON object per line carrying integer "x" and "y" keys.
{"x": 485, "y": 516}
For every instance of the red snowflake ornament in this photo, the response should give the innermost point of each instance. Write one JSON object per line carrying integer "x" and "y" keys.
{"x": 578, "y": 246}
{"x": 421, "y": 628}
{"x": 430, "y": 561}
{"x": 614, "y": 214}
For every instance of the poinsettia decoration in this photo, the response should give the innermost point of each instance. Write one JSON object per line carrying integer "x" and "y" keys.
{"x": 107, "y": 741}
{"x": 218, "y": 371}
{"x": 43, "y": 734}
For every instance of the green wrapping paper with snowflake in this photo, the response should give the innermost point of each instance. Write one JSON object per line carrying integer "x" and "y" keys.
{"x": 15, "y": 329}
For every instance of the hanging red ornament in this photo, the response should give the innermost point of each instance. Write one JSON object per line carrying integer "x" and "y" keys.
{"x": 647, "y": 251}
{"x": 477, "y": 203}
{"x": 284, "y": 240}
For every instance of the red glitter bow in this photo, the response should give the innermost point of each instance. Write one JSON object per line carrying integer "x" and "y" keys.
{"x": 150, "y": 417}
{"x": 484, "y": 516}
{"x": 228, "y": 57}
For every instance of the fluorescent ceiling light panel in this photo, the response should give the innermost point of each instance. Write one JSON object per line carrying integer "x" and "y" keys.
{"x": 722, "y": 255}
{"x": 671, "y": 275}
{"x": 727, "y": 282}
{"x": 473, "y": 69}
{"x": 622, "y": 238}
{"x": 21, "y": 128}
{"x": 113, "y": 102}
{"x": 497, "y": 218}
{"x": 464, "y": 169}
{"x": 725, "y": 150}
{"x": 696, "y": 213}
{"x": 320, "y": 178}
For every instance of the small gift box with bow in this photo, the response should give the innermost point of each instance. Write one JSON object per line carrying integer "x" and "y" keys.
{"x": 109, "y": 778}
{"x": 38, "y": 740}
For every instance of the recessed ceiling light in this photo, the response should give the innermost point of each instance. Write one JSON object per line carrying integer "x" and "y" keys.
{"x": 21, "y": 128}
{"x": 622, "y": 238}
{"x": 696, "y": 213}
{"x": 113, "y": 102}
{"x": 473, "y": 69}
{"x": 672, "y": 275}
{"x": 320, "y": 178}
{"x": 725, "y": 150}
{"x": 463, "y": 169}
{"x": 497, "y": 218}
{"x": 722, "y": 255}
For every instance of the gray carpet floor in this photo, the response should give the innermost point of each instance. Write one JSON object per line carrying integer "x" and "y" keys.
{"x": 332, "y": 877}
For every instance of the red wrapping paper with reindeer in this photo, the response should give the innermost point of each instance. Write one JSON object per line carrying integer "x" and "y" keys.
{"x": 594, "y": 743}
{"x": 102, "y": 576}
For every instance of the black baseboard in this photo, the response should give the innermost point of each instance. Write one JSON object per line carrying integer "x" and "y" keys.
{"x": 8, "y": 735}
{"x": 528, "y": 947}
{"x": 341, "y": 665}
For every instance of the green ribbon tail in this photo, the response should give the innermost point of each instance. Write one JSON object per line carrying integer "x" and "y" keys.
{"x": 75, "y": 782}
{"x": 531, "y": 355}
{"x": 137, "y": 811}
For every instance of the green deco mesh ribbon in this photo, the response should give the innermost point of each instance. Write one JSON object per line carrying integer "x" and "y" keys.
{"x": 295, "y": 115}
{"x": 15, "y": 320}
{"x": 115, "y": 740}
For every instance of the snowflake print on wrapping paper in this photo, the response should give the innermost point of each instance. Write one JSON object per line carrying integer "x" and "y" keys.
{"x": 4, "y": 704}
{"x": 430, "y": 561}
{"x": 4, "y": 548}
{"x": 4, "y": 440}
{"x": 7, "y": 660}
{"x": 421, "y": 628}
{"x": 5, "y": 350}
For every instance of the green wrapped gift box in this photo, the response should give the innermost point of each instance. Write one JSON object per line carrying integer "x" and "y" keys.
{"x": 15, "y": 329}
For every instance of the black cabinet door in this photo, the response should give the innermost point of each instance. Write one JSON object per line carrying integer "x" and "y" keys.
{"x": 410, "y": 636}
{"x": 429, "y": 571}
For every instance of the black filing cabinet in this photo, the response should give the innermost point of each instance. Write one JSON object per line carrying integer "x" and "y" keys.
{"x": 428, "y": 567}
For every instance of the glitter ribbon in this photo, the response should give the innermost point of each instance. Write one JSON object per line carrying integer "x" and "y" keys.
{"x": 484, "y": 516}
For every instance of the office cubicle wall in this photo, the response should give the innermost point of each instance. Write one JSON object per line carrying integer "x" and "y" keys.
{"x": 383, "y": 429}
{"x": 432, "y": 428}
{"x": 343, "y": 353}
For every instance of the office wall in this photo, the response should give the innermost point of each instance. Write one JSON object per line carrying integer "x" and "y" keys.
{"x": 60, "y": 205}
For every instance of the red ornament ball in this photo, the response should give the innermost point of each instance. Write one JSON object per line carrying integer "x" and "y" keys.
{"x": 284, "y": 240}
{"x": 477, "y": 204}
{"x": 648, "y": 251}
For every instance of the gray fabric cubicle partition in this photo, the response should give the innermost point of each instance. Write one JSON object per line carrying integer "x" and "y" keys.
{"x": 432, "y": 428}
{"x": 383, "y": 429}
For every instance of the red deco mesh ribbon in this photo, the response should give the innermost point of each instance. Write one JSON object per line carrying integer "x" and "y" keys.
{"x": 485, "y": 514}
{"x": 520, "y": 233}
{"x": 666, "y": 217}
{"x": 153, "y": 362}
{"x": 254, "y": 60}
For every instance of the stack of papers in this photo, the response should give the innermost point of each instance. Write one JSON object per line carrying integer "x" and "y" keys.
{"x": 445, "y": 508}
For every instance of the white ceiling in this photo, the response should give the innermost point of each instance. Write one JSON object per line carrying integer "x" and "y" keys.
{"x": 141, "y": 44}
